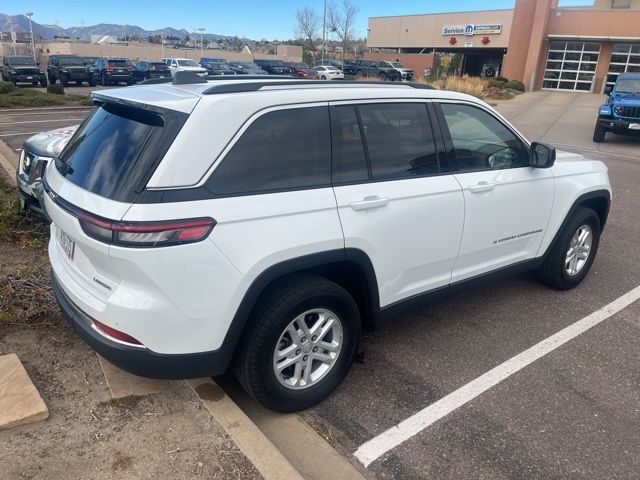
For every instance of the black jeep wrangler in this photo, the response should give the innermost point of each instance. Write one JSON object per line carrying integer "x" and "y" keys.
{"x": 67, "y": 69}
{"x": 21, "y": 68}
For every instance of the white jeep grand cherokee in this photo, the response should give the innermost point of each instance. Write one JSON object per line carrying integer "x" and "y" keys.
{"x": 263, "y": 222}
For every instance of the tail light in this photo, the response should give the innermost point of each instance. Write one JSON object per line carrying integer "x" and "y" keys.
{"x": 115, "y": 334}
{"x": 146, "y": 234}
{"x": 108, "y": 69}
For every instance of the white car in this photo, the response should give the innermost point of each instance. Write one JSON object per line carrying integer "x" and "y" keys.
{"x": 327, "y": 72}
{"x": 263, "y": 222}
{"x": 185, "y": 65}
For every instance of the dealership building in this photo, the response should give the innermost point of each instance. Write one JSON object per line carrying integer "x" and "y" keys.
{"x": 544, "y": 45}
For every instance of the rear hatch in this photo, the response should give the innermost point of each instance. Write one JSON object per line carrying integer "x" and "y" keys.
{"x": 97, "y": 177}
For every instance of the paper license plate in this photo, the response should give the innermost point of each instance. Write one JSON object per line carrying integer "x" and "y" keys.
{"x": 634, "y": 126}
{"x": 67, "y": 243}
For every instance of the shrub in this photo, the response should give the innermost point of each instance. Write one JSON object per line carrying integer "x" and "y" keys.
{"x": 6, "y": 87}
{"x": 515, "y": 85}
{"x": 501, "y": 79}
{"x": 496, "y": 84}
{"x": 55, "y": 89}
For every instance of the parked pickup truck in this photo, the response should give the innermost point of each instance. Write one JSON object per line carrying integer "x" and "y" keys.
{"x": 406, "y": 73}
{"x": 621, "y": 113}
{"x": 380, "y": 70}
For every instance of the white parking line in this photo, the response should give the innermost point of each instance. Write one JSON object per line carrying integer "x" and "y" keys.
{"x": 42, "y": 121}
{"x": 378, "y": 446}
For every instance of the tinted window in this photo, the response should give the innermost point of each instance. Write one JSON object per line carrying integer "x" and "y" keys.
{"x": 348, "y": 150}
{"x": 399, "y": 140}
{"x": 116, "y": 148}
{"x": 285, "y": 149}
{"x": 480, "y": 141}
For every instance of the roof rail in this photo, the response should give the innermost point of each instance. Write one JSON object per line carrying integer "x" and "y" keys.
{"x": 255, "y": 86}
{"x": 199, "y": 79}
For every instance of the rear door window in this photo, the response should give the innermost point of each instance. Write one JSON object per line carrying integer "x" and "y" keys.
{"x": 116, "y": 149}
{"x": 281, "y": 150}
{"x": 399, "y": 140}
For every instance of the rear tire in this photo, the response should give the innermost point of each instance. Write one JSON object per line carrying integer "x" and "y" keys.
{"x": 599, "y": 133}
{"x": 382, "y": 77}
{"x": 558, "y": 269}
{"x": 300, "y": 298}
{"x": 43, "y": 82}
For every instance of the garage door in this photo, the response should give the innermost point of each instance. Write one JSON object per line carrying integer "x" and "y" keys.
{"x": 624, "y": 58}
{"x": 571, "y": 66}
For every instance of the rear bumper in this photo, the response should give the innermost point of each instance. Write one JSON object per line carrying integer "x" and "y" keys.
{"x": 142, "y": 361}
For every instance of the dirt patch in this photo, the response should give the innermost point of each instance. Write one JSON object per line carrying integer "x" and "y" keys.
{"x": 88, "y": 435}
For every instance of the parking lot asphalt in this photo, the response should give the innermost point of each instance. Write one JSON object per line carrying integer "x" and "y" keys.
{"x": 574, "y": 413}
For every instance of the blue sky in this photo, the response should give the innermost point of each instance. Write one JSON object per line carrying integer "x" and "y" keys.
{"x": 246, "y": 18}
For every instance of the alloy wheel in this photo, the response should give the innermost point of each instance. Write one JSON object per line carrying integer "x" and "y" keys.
{"x": 308, "y": 348}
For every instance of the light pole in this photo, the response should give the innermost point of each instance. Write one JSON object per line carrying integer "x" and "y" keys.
{"x": 13, "y": 37}
{"x": 33, "y": 46}
{"x": 324, "y": 30}
{"x": 201, "y": 30}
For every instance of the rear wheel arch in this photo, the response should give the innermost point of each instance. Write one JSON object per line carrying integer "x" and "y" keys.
{"x": 350, "y": 268}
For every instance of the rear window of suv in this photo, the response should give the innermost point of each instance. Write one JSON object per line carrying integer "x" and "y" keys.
{"x": 281, "y": 150}
{"x": 116, "y": 149}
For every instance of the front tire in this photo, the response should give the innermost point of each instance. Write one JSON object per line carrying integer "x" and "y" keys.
{"x": 64, "y": 80}
{"x": 300, "y": 344}
{"x": 575, "y": 249}
{"x": 599, "y": 133}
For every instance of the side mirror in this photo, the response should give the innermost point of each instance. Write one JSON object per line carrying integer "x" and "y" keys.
{"x": 542, "y": 155}
{"x": 607, "y": 90}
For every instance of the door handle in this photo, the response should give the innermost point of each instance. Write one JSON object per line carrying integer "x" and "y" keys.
{"x": 482, "y": 187}
{"x": 369, "y": 202}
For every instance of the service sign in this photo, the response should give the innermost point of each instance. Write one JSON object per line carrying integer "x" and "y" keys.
{"x": 453, "y": 30}
{"x": 471, "y": 29}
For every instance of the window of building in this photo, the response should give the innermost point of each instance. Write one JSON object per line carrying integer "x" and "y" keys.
{"x": 621, "y": 4}
{"x": 571, "y": 65}
{"x": 625, "y": 57}
{"x": 481, "y": 141}
{"x": 399, "y": 140}
{"x": 281, "y": 150}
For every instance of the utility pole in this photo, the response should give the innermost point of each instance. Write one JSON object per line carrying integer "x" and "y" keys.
{"x": 13, "y": 37}
{"x": 162, "y": 44}
{"x": 33, "y": 46}
{"x": 201, "y": 30}
{"x": 324, "y": 31}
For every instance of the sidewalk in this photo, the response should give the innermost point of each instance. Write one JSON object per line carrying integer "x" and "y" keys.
{"x": 565, "y": 120}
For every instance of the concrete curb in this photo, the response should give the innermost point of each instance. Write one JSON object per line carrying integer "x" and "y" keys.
{"x": 8, "y": 161}
{"x": 267, "y": 459}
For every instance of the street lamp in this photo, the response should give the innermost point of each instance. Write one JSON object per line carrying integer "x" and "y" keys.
{"x": 33, "y": 46}
{"x": 324, "y": 31}
{"x": 13, "y": 37}
{"x": 201, "y": 30}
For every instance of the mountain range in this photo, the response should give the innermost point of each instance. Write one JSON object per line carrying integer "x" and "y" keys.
{"x": 48, "y": 32}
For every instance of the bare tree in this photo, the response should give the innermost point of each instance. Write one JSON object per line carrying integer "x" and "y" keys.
{"x": 341, "y": 19}
{"x": 307, "y": 27}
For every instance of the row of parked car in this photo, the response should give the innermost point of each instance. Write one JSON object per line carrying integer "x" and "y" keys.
{"x": 76, "y": 69}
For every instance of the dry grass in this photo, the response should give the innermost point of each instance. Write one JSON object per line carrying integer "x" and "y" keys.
{"x": 474, "y": 86}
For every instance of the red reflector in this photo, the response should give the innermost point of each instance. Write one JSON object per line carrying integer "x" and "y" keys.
{"x": 117, "y": 334}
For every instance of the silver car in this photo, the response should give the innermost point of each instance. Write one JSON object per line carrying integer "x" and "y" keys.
{"x": 37, "y": 152}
